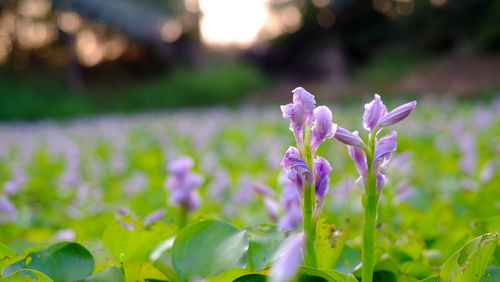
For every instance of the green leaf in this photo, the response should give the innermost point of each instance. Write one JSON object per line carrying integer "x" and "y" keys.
{"x": 251, "y": 278}
{"x": 307, "y": 273}
{"x": 207, "y": 248}
{"x": 140, "y": 271}
{"x": 494, "y": 272}
{"x": 431, "y": 279}
{"x": 234, "y": 274}
{"x": 136, "y": 244}
{"x": 64, "y": 261}
{"x": 329, "y": 243}
{"x": 6, "y": 251}
{"x": 27, "y": 276}
{"x": 417, "y": 269}
{"x": 264, "y": 241}
{"x": 470, "y": 261}
{"x": 6, "y": 254}
{"x": 110, "y": 274}
{"x": 164, "y": 264}
{"x": 102, "y": 257}
{"x": 348, "y": 260}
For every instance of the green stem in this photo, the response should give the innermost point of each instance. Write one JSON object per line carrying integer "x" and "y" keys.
{"x": 308, "y": 207}
{"x": 183, "y": 216}
{"x": 371, "y": 199}
{"x": 368, "y": 257}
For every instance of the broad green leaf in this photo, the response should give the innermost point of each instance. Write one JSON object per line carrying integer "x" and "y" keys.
{"x": 102, "y": 257}
{"x": 208, "y": 248}
{"x": 417, "y": 269}
{"x": 264, "y": 241}
{"x": 351, "y": 278}
{"x": 6, "y": 254}
{"x": 110, "y": 274}
{"x": 164, "y": 264}
{"x": 140, "y": 271}
{"x": 307, "y": 273}
{"x": 348, "y": 260}
{"x": 6, "y": 251}
{"x": 493, "y": 272}
{"x": 470, "y": 261}
{"x": 431, "y": 279}
{"x": 251, "y": 278}
{"x": 329, "y": 243}
{"x": 136, "y": 244}
{"x": 234, "y": 274}
{"x": 64, "y": 261}
{"x": 27, "y": 276}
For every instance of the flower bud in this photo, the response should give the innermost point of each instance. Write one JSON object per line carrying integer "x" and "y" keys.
{"x": 346, "y": 137}
{"x": 397, "y": 114}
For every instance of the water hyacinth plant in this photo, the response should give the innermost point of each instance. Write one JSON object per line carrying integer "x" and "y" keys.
{"x": 182, "y": 184}
{"x": 311, "y": 126}
{"x": 237, "y": 215}
{"x": 370, "y": 159}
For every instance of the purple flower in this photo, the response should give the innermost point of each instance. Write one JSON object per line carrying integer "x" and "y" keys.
{"x": 358, "y": 156}
{"x": 403, "y": 191}
{"x": 383, "y": 149}
{"x": 272, "y": 208}
{"x": 381, "y": 181}
{"x": 323, "y": 127}
{"x": 295, "y": 167}
{"x": 181, "y": 166}
{"x": 7, "y": 208}
{"x": 154, "y": 216}
{"x": 182, "y": 183}
{"x": 291, "y": 206}
{"x": 289, "y": 259}
{"x": 300, "y": 112}
{"x": 296, "y": 116}
{"x": 374, "y": 111}
{"x": 321, "y": 169}
{"x": 346, "y": 137}
{"x": 262, "y": 189}
{"x": 305, "y": 100}
{"x": 65, "y": 235}
{"x": 397, "y": 114}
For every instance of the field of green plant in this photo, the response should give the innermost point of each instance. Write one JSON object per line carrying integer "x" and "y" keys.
{"x": 209, "y": 195}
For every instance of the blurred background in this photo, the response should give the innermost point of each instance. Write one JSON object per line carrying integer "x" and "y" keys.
{"x": 65, "y": 58}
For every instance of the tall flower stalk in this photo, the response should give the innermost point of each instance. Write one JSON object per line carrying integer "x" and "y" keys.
{"x": 370, "y": 159}
{"x": 311, "y": 126}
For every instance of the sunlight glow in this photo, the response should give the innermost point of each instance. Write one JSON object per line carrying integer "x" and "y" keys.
{"x": 232, "y": 22}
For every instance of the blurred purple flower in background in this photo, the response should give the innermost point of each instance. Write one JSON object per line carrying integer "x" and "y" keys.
{"x": 403, "y": 191}
{"x": 182, "y": 183}
{"x": 65, "y": 235}
{"x": 136, "y": 183}
{"x": 289, "y": 257}
{"x": 8, "y": 211}
{"x": 291, "y": 206}
{"x": 154, "y": 216}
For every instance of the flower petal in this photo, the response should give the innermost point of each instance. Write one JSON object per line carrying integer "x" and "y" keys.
{"x": 374, "y": 111}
